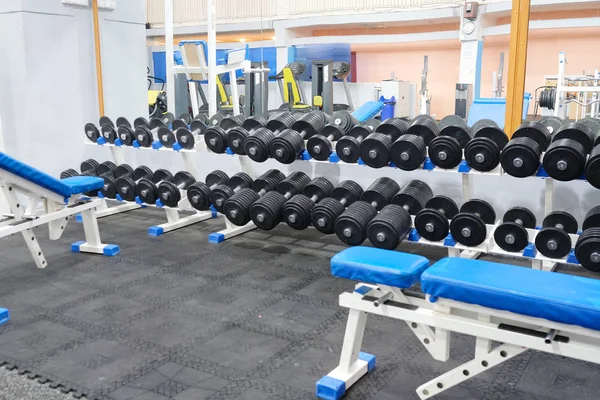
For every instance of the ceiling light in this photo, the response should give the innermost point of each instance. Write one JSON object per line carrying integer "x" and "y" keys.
{"x": 243, "y": 40}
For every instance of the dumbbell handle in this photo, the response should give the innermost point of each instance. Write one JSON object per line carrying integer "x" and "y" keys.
{"x": 126, "y": 189}
{"x": 219, "y": 202}
{"x": 144, "y": 192}
{"x": 347, "y": 150}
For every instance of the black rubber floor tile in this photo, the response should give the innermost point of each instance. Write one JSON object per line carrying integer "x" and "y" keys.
{"x": 328, "y": 288}
{"x": 270, "y": 277}
{"x": 226, "y": 300}
{"x": 294, "y": 317}
{"x": 168, "y": 286}
{"x": 110, "y": 309}
{"x": 54, "y": 294}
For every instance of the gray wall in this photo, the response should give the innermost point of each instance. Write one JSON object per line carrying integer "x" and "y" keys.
{"x": 48, "y": 81}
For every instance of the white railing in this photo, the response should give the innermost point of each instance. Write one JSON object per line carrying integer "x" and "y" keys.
{"x": 187, "y": 12}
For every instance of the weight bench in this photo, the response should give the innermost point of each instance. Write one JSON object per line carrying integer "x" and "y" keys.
{"x": 518, "y": 307}
{"x": 61, "y": 199}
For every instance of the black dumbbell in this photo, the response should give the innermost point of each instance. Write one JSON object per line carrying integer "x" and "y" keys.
{"x": 296, "y": 211}
{"x": 445, "y": 150}
{"x": 105, "y": 169}
{"x": 592, "y": 168}
{"x": 238, "y": 134}
{"x": 482, "y": 153}
{"x": 521, "y": 155}
{"x": 109, "y": 189}
{"x": 432, "y": 222}
{"x": 413, "y": 196}
{"x": 565, "y": 158}
{"x": 511, "y": 235}
{"x": 126, "y": 185}
{"x": 222, "y": 192}
{"x": 351, "y": 226}
{"x": 266, "y": 211}
{"x": 166, "y": 119}
{"x": 168, "y": 139}
{"x": 348, "y": 147}
{"x": 320, "y": 146}
{"x": 89, "y": 167}
{"x": 216, "y": 119}
{"x": 187, "y": 138}
{"x": 324, "y": 214}
{"x": 147, "y": 133}
{"x": 289, "y": 144}
{"x": 553, "y": 240}
{"x": 215, "y": 136}
{"x": 587, "y": 248}
{"x": 68, "y": 173}
{"x": 198, "y": 193}
{"x": 468, "y": 227}
{"x": 107, "y": 129}
{"x": 375, "y": 149}
{"x": 408, "y": 152}
{"x": 237, "y": 207}
{"x": 424, "y": 126}
{"x": 256, "y": 144}
{"x": 147, "y": 190}
{"x": 170, "y": 193}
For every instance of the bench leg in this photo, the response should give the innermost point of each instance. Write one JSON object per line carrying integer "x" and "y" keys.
{"x": 34, "y": 248}
{"x": 92, "y": 243}
{"x": 482, "y": 362}
{"x": 353, "y": 363}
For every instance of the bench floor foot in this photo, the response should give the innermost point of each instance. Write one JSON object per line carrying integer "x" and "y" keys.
{"x": 334, "y": 385}
{"x": 4, "y": 316}
{"x": 108, "y": 250}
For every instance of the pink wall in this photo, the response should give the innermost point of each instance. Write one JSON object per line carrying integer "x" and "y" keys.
{"x": 376, "y": 62}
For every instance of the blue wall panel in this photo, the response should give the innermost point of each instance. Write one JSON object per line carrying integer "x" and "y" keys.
{"x": 309, "y": 53}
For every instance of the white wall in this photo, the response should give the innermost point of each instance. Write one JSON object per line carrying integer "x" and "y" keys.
{"x": 48, "y": 81}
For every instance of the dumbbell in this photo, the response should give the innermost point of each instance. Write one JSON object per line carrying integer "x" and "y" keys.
{"x": 126, "y": 185}
{"x": 266, "y": 211}
{"x": 170, "y": 193}
{"x": 238, "y": 134}
{"x": 68, "y": 173}
{"x": 187, "y": 138}
{"x": 432, "y": 222}
{"x": 424, "y": 126}
{"x": 348, "y": 147}
{"x": 168, "y": 139}
{"x": 413, "y": 196}
{"x": 375, "y": 148}
{"x": 320, "y": 146}
{"x": 587, "y": 248}
{"x": 565, "y": 158}
{"x": 256, "y": 144}
{"x": 409, "y": 151}
{"x": 468, "y": 227}
{"x": 146, "y": 133}
{"x": 521, "y": 155}
{"x": 147, "y": 189}
{"x": 553, "y": 240}
{"x": 296, "y": 211}
{"x": 198, "y": 193}
{"x": 482, "y": 153}
{"x": 89, "y": 167}
{"x": 109, "y": 189}
{"x": 324, "y": 214}
{"x": 511, "y": 235}
{"x": 237, "y": 207}
{"x": 592, "y": 168}
{"x": 445, "y": 150}
{"x": 107, "y": 129}
{"x": 215, "y": 136}
{"x": 166, "y": 119}
{"x": 105, "y": 169}
{"x": 351, "y": 226}
{"x": 215, "y": 119}
{"x": 222, "y": 192}
{"x": 289, "y": 144}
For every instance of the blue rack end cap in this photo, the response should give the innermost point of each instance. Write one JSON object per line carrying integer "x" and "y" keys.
{"x": 159, "y": 203}
{"x": 75, "y": 246}
{"x": 464, "y": 167}
{"x": 101, "y": 141}
{"x": 229, "y": 151}
{"x": 111, "y": 250}
{"x": 391, "y": 164}
{"x": 428, "y": 165}
{"x": 78, "y": 218}
{"x": 138, "y": 200}
{"x": 369, "y": 358}
{"x": 118, "y": 142}
{"x": 530, "y": 251}
{"x": 136, "y": 144}
{"x": 155, "y": 231}
{"x": 118, "y": 197}
{"x": 177, "y": 146}
{"x": 329, "y": 388}
{"x": 414, "y": 236}
{"x": 157, "y": 145}
{"x": 305, "y": 156}
{"x": 360, "y": 161}
{"x": 4, "y": 316}
{"x": 449, "y": 241}
{"x": 334, "y": 158}
{"x": 542, "y": 172}
{"x": 571, "y": 258}
{"x": 101, "y": 195}
{"x": 216, "y": 237}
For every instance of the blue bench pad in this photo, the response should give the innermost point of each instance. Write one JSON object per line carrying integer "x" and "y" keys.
{"x": 66, "y": 187}
{"x": 378, "y": 266}
{"x": 554, "y": 296}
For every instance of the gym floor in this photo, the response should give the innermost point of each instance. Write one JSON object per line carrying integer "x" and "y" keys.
{"x": 255, "y": 317}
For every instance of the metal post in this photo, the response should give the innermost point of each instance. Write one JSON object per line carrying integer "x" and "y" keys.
{"x": 211, "y": 12}
{"x": 169, "y": 55}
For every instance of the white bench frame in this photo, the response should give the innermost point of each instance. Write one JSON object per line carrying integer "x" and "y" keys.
{"x": 433, "y": 324}
{"x": 55, "y": 213}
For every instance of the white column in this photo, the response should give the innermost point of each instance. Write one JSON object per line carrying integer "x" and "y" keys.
{"x": 169, "y": 55}
{"x": 211, "y": 13}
